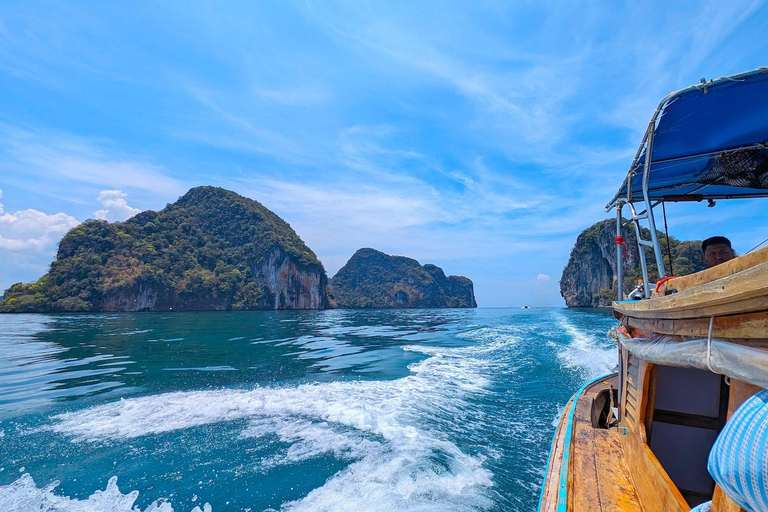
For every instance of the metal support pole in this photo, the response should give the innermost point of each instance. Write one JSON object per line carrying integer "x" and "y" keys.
{"x": 648, "y": 206}
{"x": 640, "y": 250}
{"x": 619, "y": 257}
{"x": 643, "y": 263}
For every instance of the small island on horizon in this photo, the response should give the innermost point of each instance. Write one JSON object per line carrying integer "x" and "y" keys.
{"x": 215, "y": 250}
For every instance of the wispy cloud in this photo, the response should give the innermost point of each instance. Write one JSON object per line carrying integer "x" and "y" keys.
{"x": 663, "y": 57}
{"x": 40, "y": 160}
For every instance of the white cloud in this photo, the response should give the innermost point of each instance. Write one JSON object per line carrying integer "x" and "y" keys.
{"x": 543, "y": 278}
{"x": 32, "y": 230}
{"x": 1, "y": 204}
{"x": 115, "y": 206}
{"x": 28, "y": 241}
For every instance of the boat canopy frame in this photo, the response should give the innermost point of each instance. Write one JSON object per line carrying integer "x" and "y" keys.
{"x": 706, "y": 141}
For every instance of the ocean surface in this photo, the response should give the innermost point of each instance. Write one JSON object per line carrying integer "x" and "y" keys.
{"x": 402, "y": 410}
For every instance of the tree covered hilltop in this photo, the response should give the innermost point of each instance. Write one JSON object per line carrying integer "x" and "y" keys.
{"x": 210, "y": 250}
{"x": 589, "y": 278}
{"x": 216, "y": 250}
{"x": 372, "y": 279}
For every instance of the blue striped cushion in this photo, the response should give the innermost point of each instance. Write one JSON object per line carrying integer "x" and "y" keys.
{"x": 739, "y": 458}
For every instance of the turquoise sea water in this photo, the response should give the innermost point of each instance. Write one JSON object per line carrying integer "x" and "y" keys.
{"x": 331, "y": 410}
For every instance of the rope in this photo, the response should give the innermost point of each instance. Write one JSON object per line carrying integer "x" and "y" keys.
{"x": 669, "y": 249}
{"x": 755, "y": 247}
{"x": 662, "y": 281}
{"x": 620, "y": 241}
{"x": 709, "y": 345}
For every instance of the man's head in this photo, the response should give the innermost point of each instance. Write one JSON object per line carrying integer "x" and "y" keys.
{"x": 717, "y": 250}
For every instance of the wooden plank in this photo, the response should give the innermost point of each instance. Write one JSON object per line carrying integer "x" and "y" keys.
{"x": 615, "y": 480}
{"x": 654, "y": 488}
{"x": 747, "y": 326}
{"x": 700, "y": 310}
{"x": 552, "y": 478}
{"x": 647, "y": 375}
{"x": 722, "y": 503}
{"x": 630, "y": 397}
{"x": 725, "y": 269}
{"x": 632, "y": 409}
{"x": 650, "y": 402}
{"x": 743, "y": 292}
{"x": 739, "y": 393}
{"x": 583, "y": 487}
{"x": 601, "y": 480}
{"x": 624, "y": 361}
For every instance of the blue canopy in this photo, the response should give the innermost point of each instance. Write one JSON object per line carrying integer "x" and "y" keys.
{"x": 709, "y": 141}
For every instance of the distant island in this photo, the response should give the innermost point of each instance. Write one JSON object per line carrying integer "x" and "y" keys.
{"x": 212, "y": 250}
{"x": 372, "y": 279}
{"x": 589, "y": 278}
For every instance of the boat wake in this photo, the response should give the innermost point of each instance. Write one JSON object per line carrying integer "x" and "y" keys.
{"x": 23, "y": 495}
{"x": 591, "y": 353}
{"x": 391, "y": 434}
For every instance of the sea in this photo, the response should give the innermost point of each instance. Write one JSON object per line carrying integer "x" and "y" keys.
{"x": 337, "y": 410}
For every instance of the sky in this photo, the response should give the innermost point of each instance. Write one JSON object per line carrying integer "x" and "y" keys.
{"x": 479, "y": 136}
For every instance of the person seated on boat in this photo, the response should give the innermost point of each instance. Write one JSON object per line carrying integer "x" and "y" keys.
{"x": 717, "y": 250}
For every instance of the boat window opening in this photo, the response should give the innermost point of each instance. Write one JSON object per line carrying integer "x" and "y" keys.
{"x": 689, "y": 409}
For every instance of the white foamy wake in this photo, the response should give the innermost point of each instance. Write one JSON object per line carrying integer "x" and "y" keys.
{"x": 308, "y": 440}
{"x": 585, "y": 352}
{"x": 24, "y": 496}
{"x": 397, "y": 460}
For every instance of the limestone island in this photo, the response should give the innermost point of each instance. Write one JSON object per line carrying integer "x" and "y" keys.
{"x": 589, "y": 278}
{"x": 372, "y": 279}
{"x": 214, "y": 250}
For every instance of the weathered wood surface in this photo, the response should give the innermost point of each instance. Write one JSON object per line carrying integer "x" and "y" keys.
{"x": 654, "y": 488}
{"x": 741, "y": 292}
{"x": 598, "y": 476}
{"x": 722, "y": 503}
{"x": 711, "y": 274}
{"x": 747, "y": 326}
{"x": 552, "y": 478}
{"x": 613, "y": 471}
{"x": 599, "y": 479}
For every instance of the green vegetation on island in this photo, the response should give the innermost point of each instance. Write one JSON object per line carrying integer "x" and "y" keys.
{"x": 211, "y": 250}
{"x": 372, "y": 279}
{"x": 589, "y": 278}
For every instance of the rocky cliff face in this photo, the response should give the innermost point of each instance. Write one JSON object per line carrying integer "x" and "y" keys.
{"x": 372, "y": 279}
{"x": 288, "y": 285}
{"x": 210, "y": 250}
{"x": 591, "y": 268}
{"x": 589, "y": 278}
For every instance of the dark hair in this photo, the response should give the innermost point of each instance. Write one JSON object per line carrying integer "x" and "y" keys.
{"x": 713, "y": 240}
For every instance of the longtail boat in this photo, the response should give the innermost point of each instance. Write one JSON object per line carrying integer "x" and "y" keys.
{"x": 684, "y": 421}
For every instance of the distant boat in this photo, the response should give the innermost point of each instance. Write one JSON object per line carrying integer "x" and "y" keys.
{"x": 693, "y": 350}
{"x": 526, "y": 307}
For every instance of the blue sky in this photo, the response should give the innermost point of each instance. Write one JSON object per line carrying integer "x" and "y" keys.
{"x": 479, "y": 136}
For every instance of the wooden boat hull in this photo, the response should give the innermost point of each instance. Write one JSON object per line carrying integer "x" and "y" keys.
{"x": 733, "y": 295}
{"x": 587, "y": 469}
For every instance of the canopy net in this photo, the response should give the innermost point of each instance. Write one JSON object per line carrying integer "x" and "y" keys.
{"x": 709, "y": 141}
